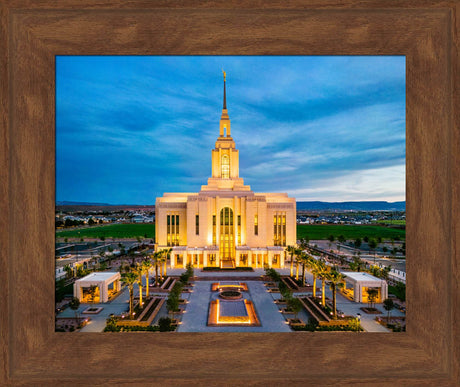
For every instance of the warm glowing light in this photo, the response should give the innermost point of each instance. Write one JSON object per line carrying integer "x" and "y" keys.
{"x": 215, "y": 317}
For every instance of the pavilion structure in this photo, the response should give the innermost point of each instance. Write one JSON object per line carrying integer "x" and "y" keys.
{"x": 225, "y": 224}
{"x": 358, "y": 283}
{"x": 107, "y": 284}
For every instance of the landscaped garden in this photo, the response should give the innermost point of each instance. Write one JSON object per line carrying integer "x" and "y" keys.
{"x": 323, "y": 316}
{"x": 149, "y": 307}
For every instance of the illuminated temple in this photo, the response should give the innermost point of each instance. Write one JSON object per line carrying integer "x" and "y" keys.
{"x": 226, "y": 224}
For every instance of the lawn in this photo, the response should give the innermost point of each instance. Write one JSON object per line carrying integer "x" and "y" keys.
{"x": 399, "y": 222}
{"x": 131, "y": 230}
{"x": 322, "y": 231}
{"x": 316, "y": 231}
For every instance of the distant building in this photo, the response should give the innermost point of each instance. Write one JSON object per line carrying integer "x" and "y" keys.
{"x": 226, "y": 224}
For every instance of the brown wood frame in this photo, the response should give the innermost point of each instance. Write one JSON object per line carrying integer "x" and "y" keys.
{"x": 33, "y": 32}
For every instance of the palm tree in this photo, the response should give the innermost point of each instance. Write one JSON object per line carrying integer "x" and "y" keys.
{"x": 166, "y": 256}
{"x": 304, "y": 259}
{"x": 312, "y": 265}
{"x": 297, "y": 254}
{"x": 304, "y": 243}
{"x": 130, "y": 278}
{"x": 138, "y": 270}
{"x": 323, "y": 270}
{"x": 162, "y": 265}
{"x": 291, "y": 250}
{"x": 101, "y": 256}
{"x": 357, "y": 264}
{"x": 156, "y": 257}
{"x": 146, "y": 265}
{"x": 132, "y": 256}
{"x": 69, "y": 271}
{"x": 335, "y": 281}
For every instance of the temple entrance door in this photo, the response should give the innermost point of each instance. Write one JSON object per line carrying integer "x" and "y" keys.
{"x": 227, "y": 238}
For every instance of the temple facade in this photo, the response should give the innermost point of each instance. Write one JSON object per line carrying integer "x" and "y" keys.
{"x": 226, "y": 224}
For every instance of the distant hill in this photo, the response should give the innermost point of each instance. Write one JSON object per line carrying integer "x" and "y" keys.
{"x": 69, "y": 206}
{"x": 65, "y": 203}
{"x": 351, "y": 206}
{"x": 302, "y": 206}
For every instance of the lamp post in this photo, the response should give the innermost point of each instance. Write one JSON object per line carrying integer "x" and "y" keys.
{"x": 358, "y": 316}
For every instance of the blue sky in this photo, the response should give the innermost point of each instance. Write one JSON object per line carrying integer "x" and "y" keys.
{"x": 129, "y": 129}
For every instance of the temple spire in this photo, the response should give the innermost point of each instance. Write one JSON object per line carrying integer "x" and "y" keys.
{"x": 224, "y": 119}
{"x": 225, "y": 96}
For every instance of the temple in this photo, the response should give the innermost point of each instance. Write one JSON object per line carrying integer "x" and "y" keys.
{"x": 226, "y": 224}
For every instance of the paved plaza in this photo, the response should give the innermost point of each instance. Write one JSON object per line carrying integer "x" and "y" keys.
{"x": 196, "y": 316}
{"x": 197, "y": 309}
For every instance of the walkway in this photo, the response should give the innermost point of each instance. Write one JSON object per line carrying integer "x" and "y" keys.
{"x": 196, "y": 316}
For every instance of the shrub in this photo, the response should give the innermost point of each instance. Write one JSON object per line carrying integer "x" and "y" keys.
{"x": 184, "y": 277}
{"x": 273, "y": 274}
{"x": 164, "y": 324}
{"x": 286, "y": 293}
{"x": 189, "y": 270}
{"x": 177, "y": 289}
{"x": 138, "y": 328}
{"x": 312, "y": 324}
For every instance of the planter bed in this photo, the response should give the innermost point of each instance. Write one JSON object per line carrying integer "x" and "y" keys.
{"x": 92, "y": 310}
{"x": 168, "y": 284}
{"x": 150, "y": 309}
{"x": 315, "y": 311}
{"x": 290, "y": 283}
{"x": 295, "y": 322}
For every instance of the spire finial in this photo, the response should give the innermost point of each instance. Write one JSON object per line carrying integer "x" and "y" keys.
{"x": 225, "y": 97}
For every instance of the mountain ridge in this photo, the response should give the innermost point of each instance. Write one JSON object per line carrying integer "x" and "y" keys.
{"x": 301, "y": 205}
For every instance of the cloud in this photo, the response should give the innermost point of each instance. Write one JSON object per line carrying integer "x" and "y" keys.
{"x": 299, "y": 123}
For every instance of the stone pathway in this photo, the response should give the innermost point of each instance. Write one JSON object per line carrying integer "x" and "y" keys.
{"x": 196, "y": 316}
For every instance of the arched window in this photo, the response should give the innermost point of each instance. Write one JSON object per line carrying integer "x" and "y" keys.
{"x": 225, "y": 167}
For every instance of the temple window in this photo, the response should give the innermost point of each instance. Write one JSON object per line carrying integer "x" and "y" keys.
{"x": 225, "y": 167}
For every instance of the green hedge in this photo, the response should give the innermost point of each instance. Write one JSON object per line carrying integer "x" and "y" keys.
{"x": 134, "y": 328}
{"x": 312, "y": 328}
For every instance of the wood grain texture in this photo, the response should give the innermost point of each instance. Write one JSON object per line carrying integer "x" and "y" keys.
{"x": 32, "y": 33}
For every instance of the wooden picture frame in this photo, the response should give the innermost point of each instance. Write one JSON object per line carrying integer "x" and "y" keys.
{"x": 32, "y": 33}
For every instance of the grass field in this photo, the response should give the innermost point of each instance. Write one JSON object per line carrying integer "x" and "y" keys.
{"x": 315, "y": 231}
{"x": 399, "y": 222}
{"x": 131, "y": 230}
{"x": 322, "y": 231}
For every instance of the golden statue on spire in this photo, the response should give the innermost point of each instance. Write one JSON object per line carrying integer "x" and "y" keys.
{"x": 225, "y": 74}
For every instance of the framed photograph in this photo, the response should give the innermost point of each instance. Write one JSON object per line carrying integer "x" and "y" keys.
{"x": 34, "y": 35}
{"x": 288, "y": 190}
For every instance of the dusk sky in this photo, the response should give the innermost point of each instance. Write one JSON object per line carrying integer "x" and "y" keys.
{"x": 129, "y": 129}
